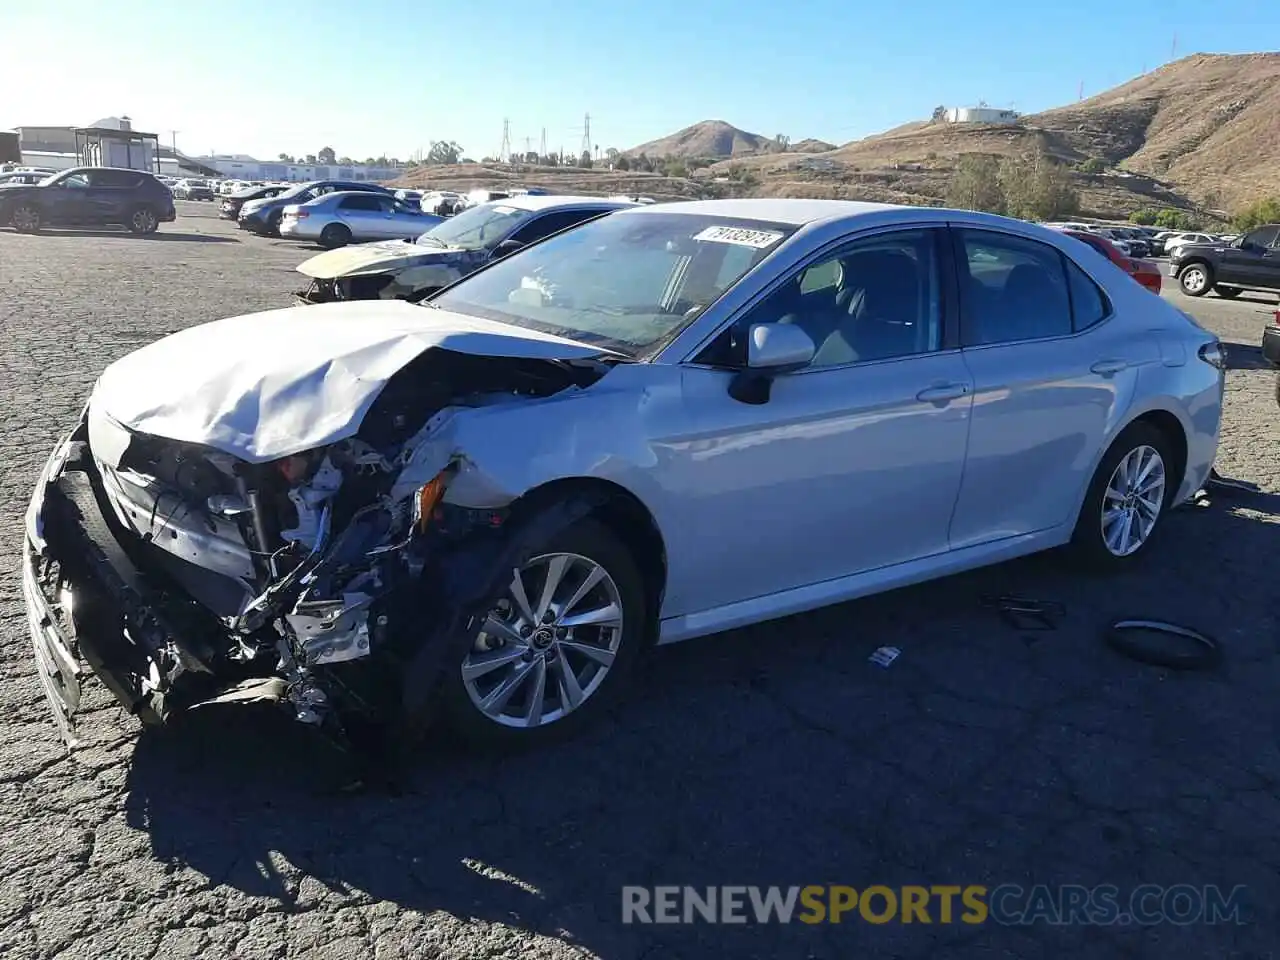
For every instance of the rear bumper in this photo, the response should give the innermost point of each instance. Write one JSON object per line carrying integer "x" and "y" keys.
{"x": 1271, "y": 344}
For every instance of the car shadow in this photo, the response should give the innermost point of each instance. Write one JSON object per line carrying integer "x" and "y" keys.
{"x": 1266, "y": 299}
{"x": 774, "y": 754}
{"x": 1245, "y": 356}
{"x": 163, "y": 235}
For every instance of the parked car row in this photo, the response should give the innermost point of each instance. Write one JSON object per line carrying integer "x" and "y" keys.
{"x": 1143, "y": 271}
{"x": 488, "y": 506}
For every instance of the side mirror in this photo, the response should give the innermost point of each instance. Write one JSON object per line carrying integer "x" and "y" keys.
{"x": 772, "y": 349}
{"x": 507, "y": 247}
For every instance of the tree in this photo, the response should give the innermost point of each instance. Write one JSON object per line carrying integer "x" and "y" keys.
{"x": 311, "y": 158}
{"x": 939, "y": 114}
{"x": 585, "y": 160}
{"x": 1093, "y": 166}
{"x": 345, "y": 161}
{"x": 1144, "y": 218}
{"x": 286, "y": 158}
{"x": 621, "y": 162}
{"x": 1171, "y": 219}
{"x": 327, "y": 156}
{"x": 444, "y": 151}
{"x": 1258, "y": 213}
{"x": 976, "y": 184}
{"x": 642, "y": 163}
{"x": 1036, "y": 187}
{"x": 531, "y": 156}
{"x": 675, "y": 168}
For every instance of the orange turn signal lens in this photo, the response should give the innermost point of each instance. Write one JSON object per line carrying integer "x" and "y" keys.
{"x": 429, "y": 495}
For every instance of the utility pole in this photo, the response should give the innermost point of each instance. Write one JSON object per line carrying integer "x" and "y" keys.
{"x": 504, "y": 154}
{"x": 173, "y": 141}
{"x": 528, "y": 145}
{"x": 1080, "y": 92}
{"x": 542, "y": 147}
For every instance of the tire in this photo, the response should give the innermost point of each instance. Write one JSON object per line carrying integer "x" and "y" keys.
{"x": 1228, "y": 293}
{"x": 1196, "y": 279}
{"x": 25, "y": 218}
{"x": 143, "y": 221}
{"x": 335, "y": 235}
{"x": 590, "y": 543}
{"x": 1089, "y": 543}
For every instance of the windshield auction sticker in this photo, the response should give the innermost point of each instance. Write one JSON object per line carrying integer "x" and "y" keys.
{"x": 743, "y": 238}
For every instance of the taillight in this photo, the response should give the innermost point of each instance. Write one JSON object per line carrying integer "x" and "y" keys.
{"x": 1213, "y": 354}
{"x": 299, "y": 214}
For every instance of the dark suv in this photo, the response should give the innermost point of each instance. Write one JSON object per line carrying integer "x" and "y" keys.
{"x": 1250, "y": 263}
{"x": 89, "y": 196}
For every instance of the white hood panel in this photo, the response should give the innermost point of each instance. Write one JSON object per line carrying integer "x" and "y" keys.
{"x": 267, "y": 385}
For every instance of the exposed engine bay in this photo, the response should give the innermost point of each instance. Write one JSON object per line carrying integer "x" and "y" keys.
{"x": 312, "y": 580}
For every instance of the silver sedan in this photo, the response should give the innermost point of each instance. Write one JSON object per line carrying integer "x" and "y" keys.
{"x": 336, "y": 219}
{"x": 670, "y": 421}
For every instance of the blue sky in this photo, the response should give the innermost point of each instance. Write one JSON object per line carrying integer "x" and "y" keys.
{"x": 389, "y": 76}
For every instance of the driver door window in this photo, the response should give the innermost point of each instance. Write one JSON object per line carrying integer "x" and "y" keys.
{"x": 77, "y": 181}
{"x": 874, "y": 299}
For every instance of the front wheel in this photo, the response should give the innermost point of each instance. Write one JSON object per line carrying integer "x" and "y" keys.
{"x": 557, "y": 648}
{"x": 26, "y": 218}
{"x": 1196, "y": 279}
{"x": 1126, "y": 500}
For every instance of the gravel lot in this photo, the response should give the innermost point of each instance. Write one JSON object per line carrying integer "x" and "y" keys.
{"x": 773, "y": 755}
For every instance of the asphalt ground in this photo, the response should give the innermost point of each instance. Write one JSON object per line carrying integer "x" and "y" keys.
{"x": 776, "y": 755}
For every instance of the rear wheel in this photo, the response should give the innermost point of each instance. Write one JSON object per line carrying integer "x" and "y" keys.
{"x": 335, "y": 235}
{"x": 1196, "y": 279}
{"x": 1227, "y": 293}
{"x": 26, "y": 218}
{"x": 143, "y": 221}
{"x": 1126, "y": 500}
{"x": 556, "y": 648}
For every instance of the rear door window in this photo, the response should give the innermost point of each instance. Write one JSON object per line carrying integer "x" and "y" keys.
{"x": 363, "y": 202}
{"x": 1012, "y": 289}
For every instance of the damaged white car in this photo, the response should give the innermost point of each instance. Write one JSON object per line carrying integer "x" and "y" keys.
{"x": 414, "y": 269}
{"x": 670, "y": 421}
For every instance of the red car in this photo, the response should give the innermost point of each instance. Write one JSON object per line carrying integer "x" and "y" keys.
{"x": 1144, "y": 271}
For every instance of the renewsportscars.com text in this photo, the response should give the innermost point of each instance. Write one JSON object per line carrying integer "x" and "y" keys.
{"x": 1007, "y": 904}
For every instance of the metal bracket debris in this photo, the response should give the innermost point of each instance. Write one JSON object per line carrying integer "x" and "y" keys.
{"x": 1216, "y": 481}
{"x": 884, "y": 656}
{"x": 1025, "y": 613}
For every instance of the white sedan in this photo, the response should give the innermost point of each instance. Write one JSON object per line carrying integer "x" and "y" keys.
{"x": 670, "y": 421}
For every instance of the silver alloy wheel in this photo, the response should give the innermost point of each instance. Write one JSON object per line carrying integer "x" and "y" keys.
{"x": 26, "y": 218}
{"x": 548, "y": 644}
{"x": 1195, "y": 279}
{"x": 144, "y": 221}
{"x": 1133, "y": 500}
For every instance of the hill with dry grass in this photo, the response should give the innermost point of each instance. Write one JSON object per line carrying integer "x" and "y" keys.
{"x": 710, "y": 138}
{"x": 1199, "y": 134}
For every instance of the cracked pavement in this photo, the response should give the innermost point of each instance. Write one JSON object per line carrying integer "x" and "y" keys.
{"x": 771, "y": 755}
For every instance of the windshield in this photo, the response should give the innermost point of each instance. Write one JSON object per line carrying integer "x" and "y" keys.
{"x": 626, "y": 282}
{"x": 482, "y": 226}
{"x": 297, "y": 191}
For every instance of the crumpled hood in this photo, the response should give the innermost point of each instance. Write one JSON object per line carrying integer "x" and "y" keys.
{"x": 370, "y": 258}
{"x": 267, "y": 385}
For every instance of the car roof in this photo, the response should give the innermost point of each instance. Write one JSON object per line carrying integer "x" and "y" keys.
{"x": 772, "y": 209}
{"x": 538, "y": 202}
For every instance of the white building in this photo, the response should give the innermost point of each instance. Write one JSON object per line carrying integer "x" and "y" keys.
{"x": 981, "y": 114}
{"x": 239, "y": 166}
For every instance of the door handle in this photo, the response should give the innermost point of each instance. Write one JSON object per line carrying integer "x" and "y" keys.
{"x": 1109, "y": 368}
{"x": 942, "y": 392}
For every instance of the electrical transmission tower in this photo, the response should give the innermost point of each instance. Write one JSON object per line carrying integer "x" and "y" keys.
{"x": 504, "y": 155}
{"x": 586, "y": 136}
{"x": 542, "y": 148}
